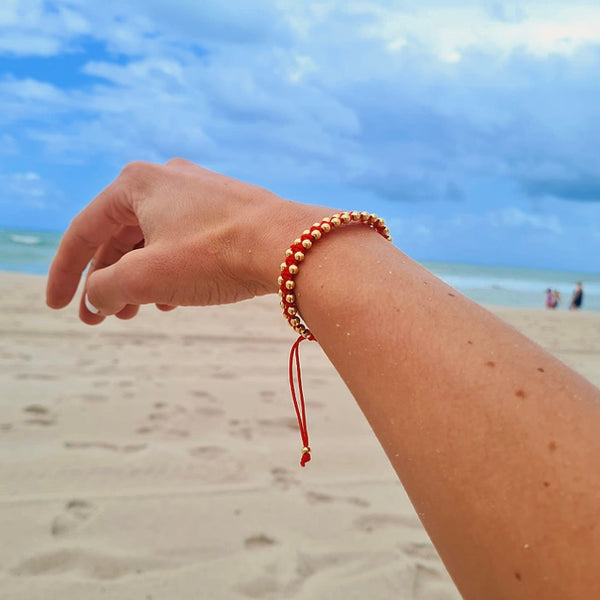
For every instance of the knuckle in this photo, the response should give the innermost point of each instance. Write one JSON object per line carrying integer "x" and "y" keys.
{"x": 178, "y": 162}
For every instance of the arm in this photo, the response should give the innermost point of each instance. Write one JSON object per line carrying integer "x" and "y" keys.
{"x": 495, "y": 441}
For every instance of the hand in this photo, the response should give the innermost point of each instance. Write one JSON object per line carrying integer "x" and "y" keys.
{"x": 174, "y": 235}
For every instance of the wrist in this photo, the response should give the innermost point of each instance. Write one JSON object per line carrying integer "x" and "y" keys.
{"x": 281, "y": 224}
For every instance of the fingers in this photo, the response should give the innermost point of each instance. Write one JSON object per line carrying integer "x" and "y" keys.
{"x": 165, "y": 307}
{"x": 122, "y": 242}
{"x": 131, "y": 281}
{"x": 97, "y": 223}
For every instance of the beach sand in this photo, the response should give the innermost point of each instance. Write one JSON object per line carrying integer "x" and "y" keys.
{"x": 158, "y": 459}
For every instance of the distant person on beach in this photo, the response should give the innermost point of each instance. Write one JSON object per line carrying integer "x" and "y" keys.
{"x": 552, "y": 299}
{"x": 496, "y": 441}
{"x": 577, "y": 299}
{"x": 556, "y": 298}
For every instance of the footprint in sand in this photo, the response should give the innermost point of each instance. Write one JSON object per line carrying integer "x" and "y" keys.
{"x": 321, "y": 498}
{"x": 268, "y": 396}
{"x": 75, "y": 513}
{"x": 284, "y": 478}
{"x": 240, "y": 429}
{"x": 382, "y": 521}
{"x": 268, "y": 585}
{"x": 421, "y": 550}
{"x": 87, "y": 563}
{"x": 38, "y": 415}
{"x": 290, "y": 423}
{"x": 125, "y": 448}
{"x": 208, "y": 452}
{"x": 258, "y": 541}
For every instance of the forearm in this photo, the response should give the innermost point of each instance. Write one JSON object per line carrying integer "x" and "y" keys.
{"x": 491, "y": 436}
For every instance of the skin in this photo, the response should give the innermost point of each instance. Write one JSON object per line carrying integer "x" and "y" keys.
{"x": 496, "y": 442}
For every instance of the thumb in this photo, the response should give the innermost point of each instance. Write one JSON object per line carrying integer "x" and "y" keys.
{"x": 131, "y": 280}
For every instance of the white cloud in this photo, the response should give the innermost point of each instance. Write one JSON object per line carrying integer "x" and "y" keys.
{"x": 27, "y": 189}
{"x": 512, "y": 217}
{"x": 448, "y": 31}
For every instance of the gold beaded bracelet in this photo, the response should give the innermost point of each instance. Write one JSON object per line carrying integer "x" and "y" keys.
{"x": 294, "y": 255}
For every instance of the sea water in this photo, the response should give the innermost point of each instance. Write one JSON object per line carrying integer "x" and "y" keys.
{"x": 27, "y": 251}
{"x": 517, "y": 286}
{"x": 32, "y": 252}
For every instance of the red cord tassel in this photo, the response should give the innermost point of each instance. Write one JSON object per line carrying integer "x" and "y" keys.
{"x": 299, "y": 406}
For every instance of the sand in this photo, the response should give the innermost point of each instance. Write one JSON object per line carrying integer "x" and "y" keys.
{"x": 158, "y": 459}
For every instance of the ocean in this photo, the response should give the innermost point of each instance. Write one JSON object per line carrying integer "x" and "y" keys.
{"x": 32, "y": 251}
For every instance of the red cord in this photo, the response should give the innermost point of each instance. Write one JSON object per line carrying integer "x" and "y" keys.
{"x": 299, "y": 406}
{"x": 289, "y": 269}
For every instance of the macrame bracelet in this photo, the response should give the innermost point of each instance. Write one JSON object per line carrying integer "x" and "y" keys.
{"x": 294, "y": 255}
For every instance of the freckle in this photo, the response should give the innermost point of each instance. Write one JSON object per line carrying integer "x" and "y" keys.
{"x": 520, "y": 394}
{"x": 541, "y": 370}
{"x": 546, "y": 484}
{"x": 469, "y": 342}
{"x": 451, "y": 295}
{"x": 517, "y": 575}
{"x": 490, "y": 363}
{"x": 552, "y": 446}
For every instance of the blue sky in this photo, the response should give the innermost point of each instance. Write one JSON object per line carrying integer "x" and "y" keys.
{"x": 473, "y": 127}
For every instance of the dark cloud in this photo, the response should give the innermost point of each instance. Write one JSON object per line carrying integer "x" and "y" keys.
{"x": 581, "y": 187}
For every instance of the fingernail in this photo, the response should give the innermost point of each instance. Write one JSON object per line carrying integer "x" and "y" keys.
{"x": 91, "y": 308}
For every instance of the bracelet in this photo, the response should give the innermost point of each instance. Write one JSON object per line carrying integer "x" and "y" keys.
{"x": 294, "y": 255}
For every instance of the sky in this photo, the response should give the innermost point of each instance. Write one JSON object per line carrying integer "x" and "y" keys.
{"x": 472, "y": 127}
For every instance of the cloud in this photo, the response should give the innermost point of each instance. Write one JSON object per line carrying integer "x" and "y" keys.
{"x": 583, "y": 187}
{"x": 411, "y": 103}
{"x": 512, "y": 217}
{"x": 26, "y": 190}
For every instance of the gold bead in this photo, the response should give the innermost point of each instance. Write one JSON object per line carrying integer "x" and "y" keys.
{"x": 373, "y": 218}
{"x": 327, "y": 220}
{"x": 290, "y": 285}
{"x": 345, "y": 217}
{"x": 296, "y": 241}
{"x": 306, "y": 450}
{"x": 283, "y": 266}
{"x": 293, "y": 269}
{"x": 280, "y": 280}
{"x": 290, "y": 298}
{"x": 316, "y": 234}
{"x": 294, "y": 322}
{"x": 385, "y": 231}
{"x": 325, "y": 227}
{"x": 280, "y": 292}
{"x": 364, "y": 215}
{"x": 289, "y": 252}
{"x": 291, "y": 311}
{"x": 316, "y": 224}
{"x": 355, "y": 215}
{"x": 335, "y": 221}
{"x": 307, "y": 244}
{"x": 306, "y": 232}
{"x": 299, "y": 256}
{"x": 282, "y": 304}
